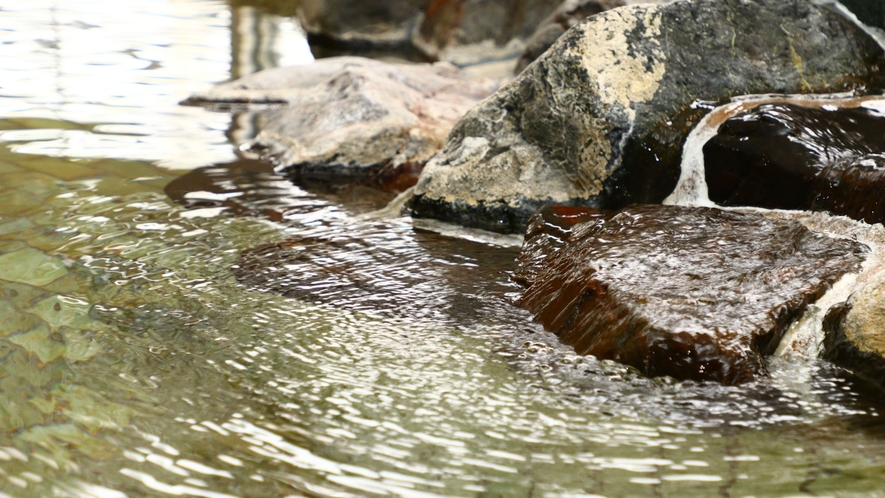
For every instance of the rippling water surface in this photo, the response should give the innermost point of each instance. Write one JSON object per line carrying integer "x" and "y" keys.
{"x": 178, "y": 320}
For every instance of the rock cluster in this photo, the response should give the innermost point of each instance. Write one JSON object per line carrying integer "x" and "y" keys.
{"x": 600, "y": 118}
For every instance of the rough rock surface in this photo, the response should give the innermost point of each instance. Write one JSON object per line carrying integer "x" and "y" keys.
{"x": 855, "y": 333}
{"x": 600, "y": 118}
{"x": 568, "y": 14}
{"x": 692, "y": 293}
{"x": 350, "y": 118}
{"x": 792, "y": 157}
{"x": 464, "y": 32}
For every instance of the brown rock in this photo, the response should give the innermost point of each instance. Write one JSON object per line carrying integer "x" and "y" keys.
{"x": 692, "y": 293}
{"x": 793, "y": 157}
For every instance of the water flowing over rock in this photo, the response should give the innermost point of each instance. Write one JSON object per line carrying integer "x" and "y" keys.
{"x": 600, "y": 118}
{"x": 464, "y": 32}
{"x": 855, "y": 333}
{"x": 354, "y": 119}
{"x": 692, "y": 293}
{"x": 792, "y": 157}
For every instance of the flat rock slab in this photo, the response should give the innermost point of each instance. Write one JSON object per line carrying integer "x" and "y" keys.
{"x": 793, "y": 157}
{"x": 350, "y": 118}
{"x": 691, "y": 293}
{"x": 600, "y": 119}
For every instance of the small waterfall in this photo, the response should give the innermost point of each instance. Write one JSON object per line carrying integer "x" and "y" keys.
{"x": 804, "y": 338}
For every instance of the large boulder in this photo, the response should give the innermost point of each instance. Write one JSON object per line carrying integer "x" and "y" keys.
{"x": 692, "y": 293}
{"x": 600, "y": 119}
{"x": 788, "y": 156}
{"x": 855, "y": 333}
{"x": 354, "y": 119}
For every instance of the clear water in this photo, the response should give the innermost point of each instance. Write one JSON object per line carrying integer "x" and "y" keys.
{"x": 134, "y": 363}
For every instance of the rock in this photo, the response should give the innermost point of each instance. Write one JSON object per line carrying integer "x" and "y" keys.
{"x": 692, "y": 293}
{"x": 464, "y": 32}
{"x": 600, "y": 119}
{"x": 792, "y": 157}
{"x": 354, "y": 119}
{"x": 363, "y": 26}
{"x": 855, "y": 333}
{"x": 568, "y": 14}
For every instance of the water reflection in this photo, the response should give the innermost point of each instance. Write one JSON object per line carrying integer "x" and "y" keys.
{"x": 93, "y": 69}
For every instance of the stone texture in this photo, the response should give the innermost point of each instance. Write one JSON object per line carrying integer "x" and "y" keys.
{"x": 792, "y": 157}
{"x": 354, "y": 119}
{"x": 600, "y": 118}
{"x": 567, "y": 15}
{"x": 855, "y": 333}
{"x": 692, "y": 293}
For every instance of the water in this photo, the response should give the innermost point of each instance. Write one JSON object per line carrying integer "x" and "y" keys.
{"x": 140, "y": 359}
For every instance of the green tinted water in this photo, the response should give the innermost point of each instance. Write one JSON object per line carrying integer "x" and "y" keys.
{"x": 135, "y": 364}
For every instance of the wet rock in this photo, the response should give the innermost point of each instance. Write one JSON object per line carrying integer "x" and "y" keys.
{"x": 855, "y": 333}
{"x": 354, "y": 119}
{"x": 692, "y": 293}
{"x": 792, "y": 157}
{"x": 600, "y": 118}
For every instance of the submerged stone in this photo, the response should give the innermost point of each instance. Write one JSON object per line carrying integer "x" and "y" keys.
{"x": 792, "y": 157}
{"x": 353, "y": 119}
{"x": 691, "y": 293}
{"x": 31, "y": 266}
{"x": 600, "y": 119}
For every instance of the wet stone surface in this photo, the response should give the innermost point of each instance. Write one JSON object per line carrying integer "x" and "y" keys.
{"x": 792, "y": 157}
{"x": 692, "y": 293}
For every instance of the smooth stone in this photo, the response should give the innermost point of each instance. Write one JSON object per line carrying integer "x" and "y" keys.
{"x": 855, "y": 333}
{"x": 691, "y": 293}
{"x": 786, "y": 156}
{"x": 348, "y": 119}
{"x": 600, "y": 119}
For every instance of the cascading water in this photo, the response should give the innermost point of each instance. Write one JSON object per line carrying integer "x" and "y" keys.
{"x": 804, "y": 338}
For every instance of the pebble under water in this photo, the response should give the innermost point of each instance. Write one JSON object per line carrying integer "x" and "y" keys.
{"x": 178, "y": 320}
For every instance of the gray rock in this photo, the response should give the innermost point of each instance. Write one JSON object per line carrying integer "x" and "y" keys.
{"x": 855, "y": 333}
{"x": 600, "y": 119}
{"x": 464, "y": 32}
{"x": 567, "y": 15}
{"x": 350, "y": 118}
{"x": 361, "y": 25}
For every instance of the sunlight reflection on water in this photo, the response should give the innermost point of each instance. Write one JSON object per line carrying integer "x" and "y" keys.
{"x": 101, "y": 64}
